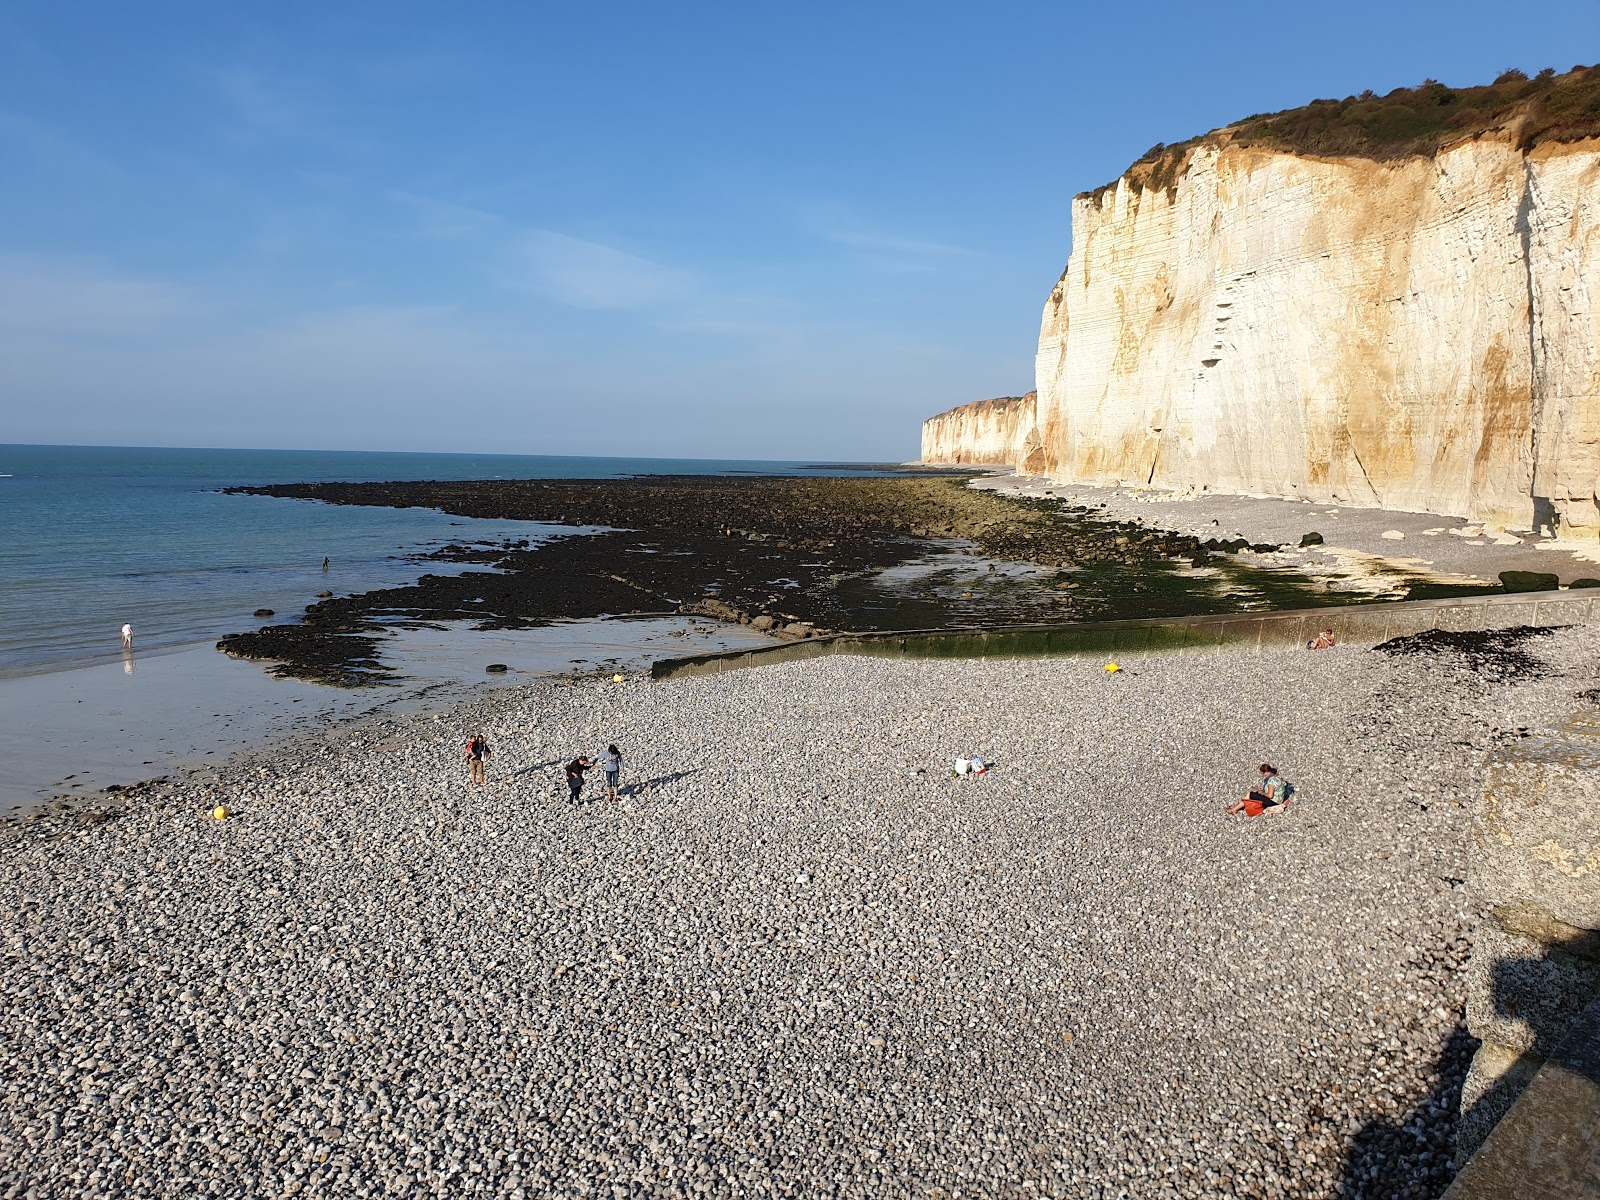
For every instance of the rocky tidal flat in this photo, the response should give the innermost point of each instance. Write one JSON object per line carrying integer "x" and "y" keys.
{"x": 798, "y": 959}
{"x": 799, "y": 556}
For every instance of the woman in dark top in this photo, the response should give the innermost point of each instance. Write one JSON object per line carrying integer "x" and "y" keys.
{"x": 575, "y": 770}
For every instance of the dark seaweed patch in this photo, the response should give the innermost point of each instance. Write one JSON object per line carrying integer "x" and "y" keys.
{"x": 1497, "y": 653}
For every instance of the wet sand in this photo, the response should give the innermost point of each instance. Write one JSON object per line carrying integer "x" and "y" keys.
{"x": 72, "y": 733}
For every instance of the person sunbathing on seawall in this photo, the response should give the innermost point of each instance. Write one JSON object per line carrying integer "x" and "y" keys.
{"x": 1272, "y": 793}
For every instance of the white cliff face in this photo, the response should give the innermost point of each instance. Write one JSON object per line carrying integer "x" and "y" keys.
{"x": 1414, "y": 335}
{"x": 985, "y": 431}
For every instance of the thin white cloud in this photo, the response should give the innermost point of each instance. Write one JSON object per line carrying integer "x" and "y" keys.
{"x": 67, "y": 300}
{"x": 445, "y": 218}
{"x": 837, "y": 224}
{"x": 591, "y": 275}
{"x": 895, "y": 245}
{"x": 54, "y": 150}
{"x": 260, "y": 104}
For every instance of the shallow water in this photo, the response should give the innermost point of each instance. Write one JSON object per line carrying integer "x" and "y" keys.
{"x": 75, "y": 731}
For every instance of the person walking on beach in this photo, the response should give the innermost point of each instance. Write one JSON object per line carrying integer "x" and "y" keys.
{"x": 575, "y": 770}
{"x": 1271, "y": 793}
{"x": 127, "y": 636}
{"x": 611, "y": 760}
{"x": 477, "y": 752}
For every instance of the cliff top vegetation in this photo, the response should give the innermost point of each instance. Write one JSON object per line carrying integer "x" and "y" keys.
{"x": 1404, "y": 123}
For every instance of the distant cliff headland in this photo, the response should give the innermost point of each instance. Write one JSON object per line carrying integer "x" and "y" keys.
{"x": 1389, "y": 300}
{"x": 986, "y": 432}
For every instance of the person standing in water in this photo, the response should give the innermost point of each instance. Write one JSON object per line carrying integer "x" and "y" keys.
{"x": 127, "y": 636}
{"x": 477, "y": 751}
{"x": 611, "y": 760}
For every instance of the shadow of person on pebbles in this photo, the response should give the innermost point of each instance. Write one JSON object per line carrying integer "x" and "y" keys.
{"x": 1394, "y": 1158}
{"x": 554, "y": 762}
{"x": 645, "y": 787}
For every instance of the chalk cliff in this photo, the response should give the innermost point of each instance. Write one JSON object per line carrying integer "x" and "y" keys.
{"x": 985, "y": 431}
{"x": 1419, "y": 334}
{"x": 1389, "y": 301}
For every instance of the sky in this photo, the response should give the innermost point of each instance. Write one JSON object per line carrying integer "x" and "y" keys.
{"x": 694, "y": 230}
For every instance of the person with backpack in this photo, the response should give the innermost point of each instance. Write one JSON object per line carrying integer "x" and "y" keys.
{"x": 476, "y": 753}
{"x": 611, "y": 761}
{"x": 1272, "y": 792}
{"x": 575, "y": 770}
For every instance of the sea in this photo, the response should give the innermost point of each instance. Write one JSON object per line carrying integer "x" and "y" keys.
{"x": 94, "y": 537}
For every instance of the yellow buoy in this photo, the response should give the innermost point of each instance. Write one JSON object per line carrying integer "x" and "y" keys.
{"x": 1113, "y": 668}
{"x": 220, "y": 812}
{"x": 616, "y": 679}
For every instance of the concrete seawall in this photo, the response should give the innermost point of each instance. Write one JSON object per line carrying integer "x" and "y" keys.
{"x": 1361, "y": 624}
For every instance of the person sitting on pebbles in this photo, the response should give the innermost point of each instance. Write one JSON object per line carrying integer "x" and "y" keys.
{"x": 1322, "y": 641}
{"x": 1271, "y": 793}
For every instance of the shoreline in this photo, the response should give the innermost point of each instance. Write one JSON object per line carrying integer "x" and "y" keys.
{"x": 753, "y": 919}
{"x": 797, "y": 556}
{"x": 72, "y": 733}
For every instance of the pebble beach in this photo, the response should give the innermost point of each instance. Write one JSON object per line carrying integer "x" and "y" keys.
{"x": 798, "y": 958}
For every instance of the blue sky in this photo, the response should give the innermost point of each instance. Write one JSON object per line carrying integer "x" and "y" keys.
{"x": 702, "y": 229}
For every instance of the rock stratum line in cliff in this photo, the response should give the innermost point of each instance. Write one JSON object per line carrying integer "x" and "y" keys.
{"x": 1409, "y": 322}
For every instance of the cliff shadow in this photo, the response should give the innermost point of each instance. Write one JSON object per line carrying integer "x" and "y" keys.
{"x": 1536, "y": 1000}
{"x": 1413, "y": 1155}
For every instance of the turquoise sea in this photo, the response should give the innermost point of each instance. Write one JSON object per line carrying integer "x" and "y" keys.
{"x": 93, "y": 536}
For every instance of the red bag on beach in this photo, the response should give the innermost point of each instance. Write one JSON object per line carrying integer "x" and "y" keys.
{"x": 1254, "y": 808}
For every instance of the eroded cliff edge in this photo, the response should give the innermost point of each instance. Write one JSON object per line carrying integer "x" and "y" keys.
{"x": 1295, "y": 306}
{"x": 1418, "y": 334}
{"x": 990, "y": 432}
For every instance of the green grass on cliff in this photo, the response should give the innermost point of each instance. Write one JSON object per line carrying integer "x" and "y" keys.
{"x": 1406, "y": 122}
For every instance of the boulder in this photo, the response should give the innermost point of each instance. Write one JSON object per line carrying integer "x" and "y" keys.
{"x": 265, "y": 612}
{"x": 763, "y": 623}
{"x": 1529, "y": 581}
{"x": 1311, "y": 539}
{"x": 496, "y": 669}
